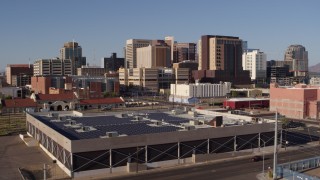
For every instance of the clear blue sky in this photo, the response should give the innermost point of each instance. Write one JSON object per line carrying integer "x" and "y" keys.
{"x": 38, "y": 29}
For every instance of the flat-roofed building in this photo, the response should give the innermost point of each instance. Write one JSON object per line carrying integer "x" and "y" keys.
{"x": 85, "y": 145}
{"x": 152, "y": 79}
{"x": 131, "y": 51}
{"x": 19, "y": 74}
{"x": 255, "y": 61}
{"x": 300, "y": 101}
{"x": 183, "y": 92}
{"x": 220, "y": 59}
{"x": 153, "y": 56}
{"x": 44, "y": 67}
{"x": 91, "y": 71}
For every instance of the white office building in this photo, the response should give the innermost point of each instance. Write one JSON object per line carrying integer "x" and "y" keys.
{"x": 184, "y": 92}
{"x": 255, "y": 61}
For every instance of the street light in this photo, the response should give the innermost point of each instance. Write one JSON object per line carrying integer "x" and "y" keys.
{"x": 264, "y": 145}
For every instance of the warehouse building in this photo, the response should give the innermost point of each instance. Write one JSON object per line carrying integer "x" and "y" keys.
{"x": 252, "y": 103}
{"x": 84, "y": 145}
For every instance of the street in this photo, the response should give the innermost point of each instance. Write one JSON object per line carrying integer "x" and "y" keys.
{"x": 240, "y": 169}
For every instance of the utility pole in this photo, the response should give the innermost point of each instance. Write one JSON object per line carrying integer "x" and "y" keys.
{"x": 275, "y": 147}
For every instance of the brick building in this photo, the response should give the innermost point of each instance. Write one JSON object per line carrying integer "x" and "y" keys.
{"x": 300, "y": 101}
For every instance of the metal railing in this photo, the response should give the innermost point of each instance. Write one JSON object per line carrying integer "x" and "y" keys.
{"x": 293, "y": 170}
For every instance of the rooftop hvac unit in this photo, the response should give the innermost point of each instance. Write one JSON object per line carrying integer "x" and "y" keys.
{"x": 62, "y": 118}
{"x": 189, "y": 128}
{"x": 54, "y": 115}
{"x": 86, "y": 128}
{"x": 194, "y": 122}
{"x": 138, "y": 118}
{"x": 112, "y": 134}
{"x": 72, "y": 122}
{"x": 124, "y": 115}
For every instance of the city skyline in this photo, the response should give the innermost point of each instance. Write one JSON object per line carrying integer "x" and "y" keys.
{"x": 35, "y": 30}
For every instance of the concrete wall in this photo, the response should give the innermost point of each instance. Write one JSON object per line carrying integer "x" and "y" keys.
{"x": 54, "y": 135}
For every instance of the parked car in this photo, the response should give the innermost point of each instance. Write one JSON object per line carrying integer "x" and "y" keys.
{"x": 256, "y": 158}
{"x": 106, "y": 108}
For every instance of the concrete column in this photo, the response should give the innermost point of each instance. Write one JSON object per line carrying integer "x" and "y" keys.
{"x": 64, "y": 157}
{"x": 235, "y": 143}
{"x": 146, "y": 154}
{"x": 110, "y": 160}
{"x": 281, "y": 138}
{"x": 178, "y": 152}
{"x": 259, "y": 142}
{"x": 208, "y": 146}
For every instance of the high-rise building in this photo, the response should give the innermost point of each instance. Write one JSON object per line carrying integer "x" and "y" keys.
{"x": 91, "y": 71}
{"x": 19, "y": 74}
{"x": 184, "y": 51}
{"x": 170, "y": 42}
{"x": 297, "y": 57}
{"x": 220, "y": 59}
{"x": 113, "y": 63}
{"x": 255, "y": 61}
{"x": 152, "y": 79}
{"x": 153, "y": 56}
{"x": 44, "y": 67}
{"x": 131, "y": 51}
{"x": 72, "y": 51}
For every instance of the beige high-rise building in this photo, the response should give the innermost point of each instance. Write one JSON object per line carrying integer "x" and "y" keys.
{"x": 44, "y": 67}
{"x": 131, "y": 51}
{"x": 153, "y": 56}
{"x": 152, "y": 79}
{"x": 170, "y": 41}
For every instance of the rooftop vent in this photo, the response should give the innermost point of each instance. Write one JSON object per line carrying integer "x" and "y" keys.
{"x": 86, "y": 129}
{"x": 112, "y": 134}
{"x": 194, "y": 122}
{"x": 188, "y": 128}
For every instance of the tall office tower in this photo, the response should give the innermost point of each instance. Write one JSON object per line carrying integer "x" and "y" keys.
{"x": 131, "y": 51}
{"x": 72, "y": 50}
{"x": 184, "y": 51}
{"x": 170, "y": 41}
{"x": 255, "y": 61}
{"x": 113, "y": 63}
{"x": 43, "y": 67}
{"x": 153, "y": 56}
{"x": 297, "y": 57}
{"x": 220, "y": 59}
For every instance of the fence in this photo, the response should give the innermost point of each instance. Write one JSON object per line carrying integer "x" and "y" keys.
{"x": 293, "y": 170}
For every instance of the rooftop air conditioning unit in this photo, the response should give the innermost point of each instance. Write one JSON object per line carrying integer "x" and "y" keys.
{"x": 62, "y": 118}
{"x": 138, "y": 118}
{"x": 112, "y": 134}
{"x": 86, "y": 128}
{"x": 189, "y": 128}
{"x": 194, "y": 122}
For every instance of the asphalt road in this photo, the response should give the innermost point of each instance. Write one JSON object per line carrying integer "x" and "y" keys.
{"x": 240, "y": 169}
